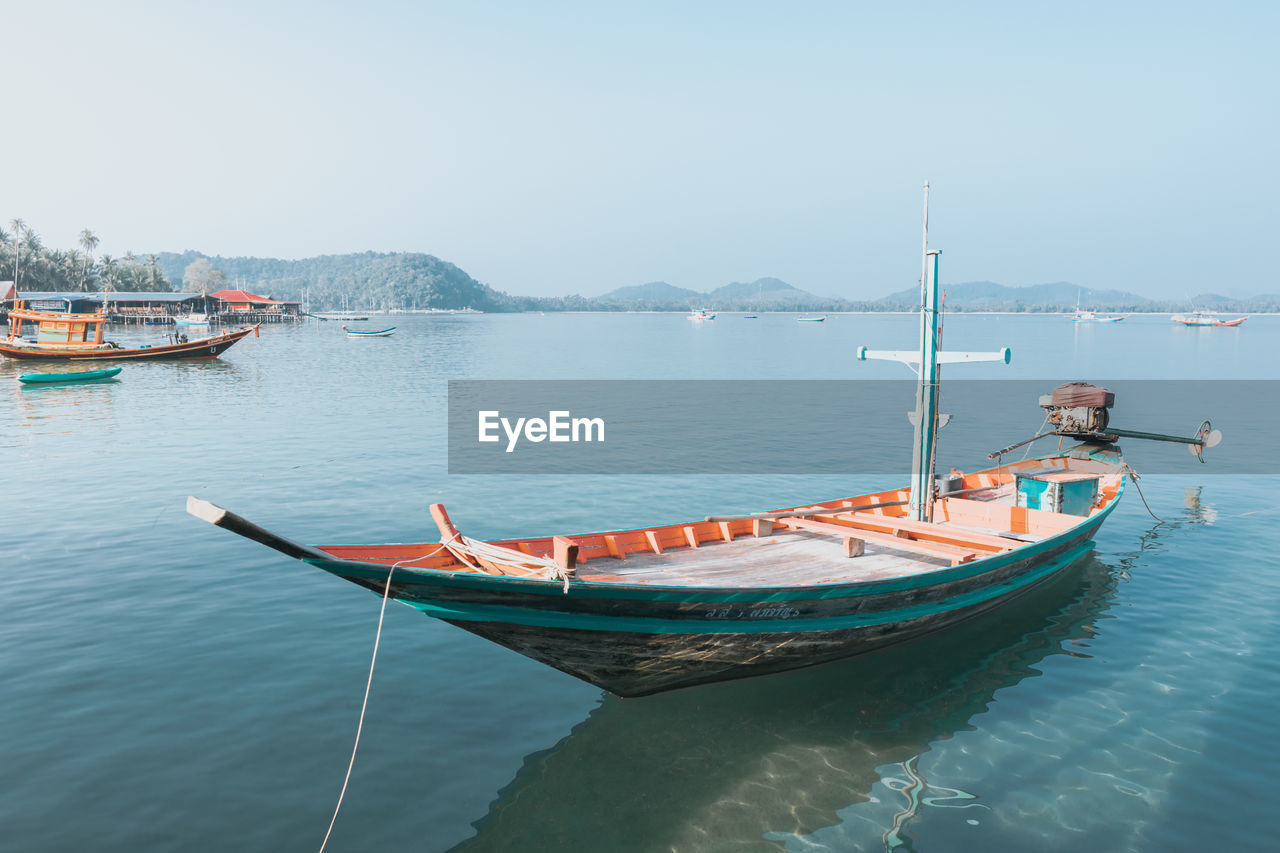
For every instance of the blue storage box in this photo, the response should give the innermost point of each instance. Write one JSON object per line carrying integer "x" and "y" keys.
{"x": 1057, "y": 490}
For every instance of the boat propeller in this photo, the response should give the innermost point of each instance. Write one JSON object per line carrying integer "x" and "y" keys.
{"x": 1206, "y": 436}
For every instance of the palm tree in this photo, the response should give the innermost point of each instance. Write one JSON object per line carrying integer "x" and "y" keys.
{"x": 88, "y": 242}
{"x": 108, "y": 264}
{"x": 67, "y": 261}
{"x": 153, "y": 271}
{"x": 32, "y": 242}
{"x": 18, "y": 227}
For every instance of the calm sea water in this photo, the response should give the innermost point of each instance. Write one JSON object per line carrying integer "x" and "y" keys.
{"x": 167, "y": 685}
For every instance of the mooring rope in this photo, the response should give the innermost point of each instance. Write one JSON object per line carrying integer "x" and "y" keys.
{"x": 459, "y": 546}
{"x": 1133, "y": 476}
{"x": 386, "y": 593}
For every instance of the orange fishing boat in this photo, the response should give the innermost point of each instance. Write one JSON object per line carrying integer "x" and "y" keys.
{"x": 647, "y": 610}
{"x": 70, "y": 336}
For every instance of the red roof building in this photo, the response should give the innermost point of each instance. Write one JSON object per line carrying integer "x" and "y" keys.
{"x": 244, "y": 297}
{"x": 244, "y": 302}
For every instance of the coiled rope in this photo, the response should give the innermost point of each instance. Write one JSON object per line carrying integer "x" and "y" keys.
{"x": 530, "y": 564}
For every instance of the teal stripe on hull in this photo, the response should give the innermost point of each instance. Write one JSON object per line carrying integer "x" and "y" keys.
{"x": 640, "y": 625}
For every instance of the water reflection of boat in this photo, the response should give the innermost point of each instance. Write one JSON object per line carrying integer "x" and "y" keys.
{"x": 743, "y": 762}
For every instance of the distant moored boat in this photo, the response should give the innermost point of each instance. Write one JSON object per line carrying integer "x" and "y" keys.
{"x": 1205, "y": 318}
{"x": 381, "y": 333}
{"x": 1090, "y": 317}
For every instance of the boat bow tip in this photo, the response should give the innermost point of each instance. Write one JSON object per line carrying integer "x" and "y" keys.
{"x": 228, "y": 520}
{"x": 204, "y": 510}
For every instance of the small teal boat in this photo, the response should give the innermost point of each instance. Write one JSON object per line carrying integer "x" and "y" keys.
{"x": 77, "y": 376}
{"x": 381, "y": 333}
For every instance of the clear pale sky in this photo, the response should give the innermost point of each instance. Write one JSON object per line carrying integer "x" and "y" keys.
{"x": 550, "y": 148}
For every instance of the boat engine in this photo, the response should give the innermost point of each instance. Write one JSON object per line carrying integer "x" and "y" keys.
{"x": 1079, "y": 409}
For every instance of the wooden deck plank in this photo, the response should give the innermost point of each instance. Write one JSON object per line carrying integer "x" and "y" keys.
{"x": 784, "y": 559}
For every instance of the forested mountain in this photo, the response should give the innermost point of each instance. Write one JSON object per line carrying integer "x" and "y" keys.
{"x": 368, "y": 281}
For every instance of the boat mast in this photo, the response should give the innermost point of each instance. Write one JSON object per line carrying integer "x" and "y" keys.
{"x": 927, "y": 363}
{"x": 928, "y": 389}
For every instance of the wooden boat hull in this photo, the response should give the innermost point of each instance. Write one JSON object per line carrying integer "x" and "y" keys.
{"x": 203, "y": 348}
{"x": 635, "y": 640}
{"x": 634, "y": 663}
{"x": 80, "y": 376}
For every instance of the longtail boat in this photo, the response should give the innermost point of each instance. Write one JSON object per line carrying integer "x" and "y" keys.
{"x": 79, "y": 337}
{"x": 652, "y": 609}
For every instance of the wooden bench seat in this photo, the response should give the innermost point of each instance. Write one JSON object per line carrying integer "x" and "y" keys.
{"x": 934, "y": 549}
{"x": 922, "y": 530}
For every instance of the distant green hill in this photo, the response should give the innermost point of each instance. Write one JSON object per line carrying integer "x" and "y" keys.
{"x": 759, "y": 293}
{"x": 368, "y": 281}
{"x": 764, "y": 294}
{"x": 655, "y": 292}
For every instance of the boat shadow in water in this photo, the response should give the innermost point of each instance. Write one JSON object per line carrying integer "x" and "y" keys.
{"x": 37, "y": 388}
{"x": 726, "y": 766}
